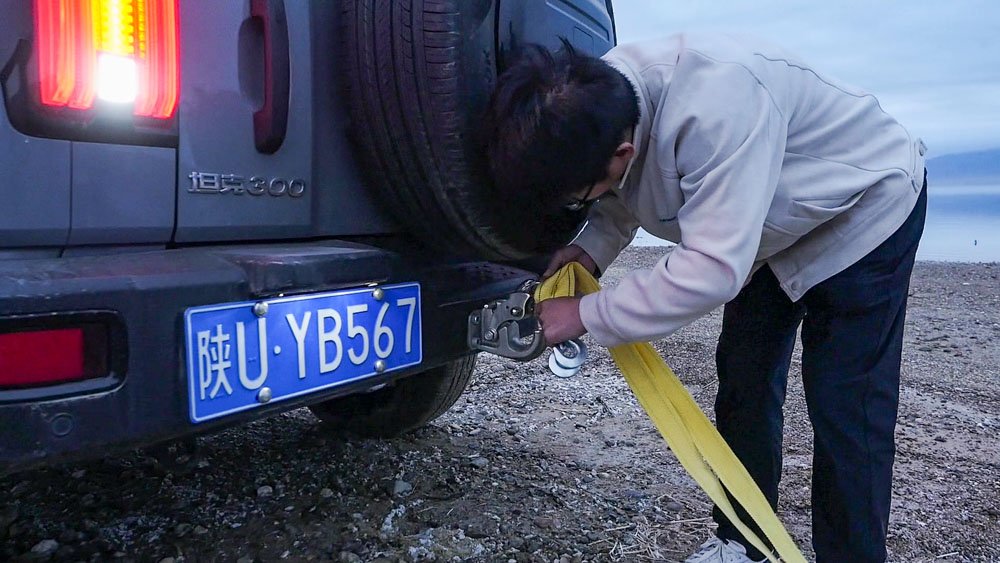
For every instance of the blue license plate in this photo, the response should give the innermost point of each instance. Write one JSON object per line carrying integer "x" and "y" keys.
{"x": 245, "y": 355}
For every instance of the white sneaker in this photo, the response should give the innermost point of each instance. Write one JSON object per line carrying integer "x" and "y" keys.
{"x": 717, "y": 550}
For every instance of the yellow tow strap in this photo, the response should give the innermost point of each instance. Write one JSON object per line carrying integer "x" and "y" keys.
{"x": 688, "y": 432}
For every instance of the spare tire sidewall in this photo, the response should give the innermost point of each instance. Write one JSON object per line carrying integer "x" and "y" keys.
{"x": 430, "y": 167}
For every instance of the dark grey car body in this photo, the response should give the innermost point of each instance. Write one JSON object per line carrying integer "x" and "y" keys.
{"x": 133, "y": 232}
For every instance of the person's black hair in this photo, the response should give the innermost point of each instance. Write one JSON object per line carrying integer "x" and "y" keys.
{"x": 554, "y": 122}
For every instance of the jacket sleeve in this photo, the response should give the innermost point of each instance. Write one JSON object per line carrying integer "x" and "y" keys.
{"x": 729, "y": 148}
{"x": 610, "y": 227}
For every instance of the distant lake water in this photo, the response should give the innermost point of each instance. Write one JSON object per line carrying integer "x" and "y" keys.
{"x": 963, "y": 224}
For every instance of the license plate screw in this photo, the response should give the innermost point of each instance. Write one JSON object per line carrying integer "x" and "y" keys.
{"x": 378, "y": 294}
{"x": 379, "y": 366}
{"x": 264, "y": 395}
{"x": 260, "y": 309}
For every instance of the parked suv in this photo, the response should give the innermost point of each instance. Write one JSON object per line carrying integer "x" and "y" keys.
{"x": 219, "y": 210}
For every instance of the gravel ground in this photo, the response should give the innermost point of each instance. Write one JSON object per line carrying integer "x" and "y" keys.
{"x": 528, "y": 467}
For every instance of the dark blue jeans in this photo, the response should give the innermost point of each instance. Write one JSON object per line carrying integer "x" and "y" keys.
{"x": 852, "y": 336}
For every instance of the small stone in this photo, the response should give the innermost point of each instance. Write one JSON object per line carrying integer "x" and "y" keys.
{"x": 476, "y": 530}
{"x": 104, "y": 546}
{"x": 45, "y": 548}
{"x": 348, "y": 557}
{"x": 19, "y": 489}
{"x": 67, "y": 536}
{"x": 593, "y": 536}
{"x": 245, "y": 559}
{"x": 634, "y": 494}
{"x": 182, "y": 529}
{"x": 168, "y": 560}
{"x": 480, "y": 462}
{"x": 78, "y": 474}
{"x": 419, "y": 553}
{"x": 88, "y": 500}
{"x": 940, "y": 439}
{"x": 200, "y": 530}
{"x": 265, "y": 491}
{"x": 401, "y": 487}
{"x": 543, "y": 522}
{"x": 674, "y": 506}
{"x": 326, "y": 493}
{"x": 8, "y": 515}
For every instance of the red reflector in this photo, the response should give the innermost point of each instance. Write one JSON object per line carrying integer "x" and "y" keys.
{"x": 41, "y": 357}
{"x": 120, "y": 51}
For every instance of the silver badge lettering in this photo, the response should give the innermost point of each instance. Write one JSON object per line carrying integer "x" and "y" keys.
{"x": 213, "y": 183}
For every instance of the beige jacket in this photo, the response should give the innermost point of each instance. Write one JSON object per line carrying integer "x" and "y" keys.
{"x": 745, "y": 156}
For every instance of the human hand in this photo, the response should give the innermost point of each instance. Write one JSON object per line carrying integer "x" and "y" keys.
{"x": 560, "y": 319}
{"x": 567, "y": 254}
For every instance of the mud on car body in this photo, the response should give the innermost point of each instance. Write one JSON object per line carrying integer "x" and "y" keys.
{"x": 218, "y": 211}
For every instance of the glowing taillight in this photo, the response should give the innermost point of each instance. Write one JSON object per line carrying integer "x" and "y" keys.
{"x": 118, "y": 51}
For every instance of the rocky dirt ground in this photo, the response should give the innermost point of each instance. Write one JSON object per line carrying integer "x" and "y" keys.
{"x": 528, "y": 467}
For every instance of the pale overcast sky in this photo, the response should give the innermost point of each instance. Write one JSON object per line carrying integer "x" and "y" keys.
{"x": 934, "y": 65}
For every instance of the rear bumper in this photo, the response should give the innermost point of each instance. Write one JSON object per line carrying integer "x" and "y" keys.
{"x": 148, "y": 293}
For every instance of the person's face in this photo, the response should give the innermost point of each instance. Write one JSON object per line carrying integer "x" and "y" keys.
{"x": 616, "y": 170}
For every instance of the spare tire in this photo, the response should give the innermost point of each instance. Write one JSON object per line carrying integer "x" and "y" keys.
{"x": 418, "y": 76}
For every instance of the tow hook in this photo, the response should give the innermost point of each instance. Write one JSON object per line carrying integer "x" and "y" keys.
{"x": 497, "y": 329}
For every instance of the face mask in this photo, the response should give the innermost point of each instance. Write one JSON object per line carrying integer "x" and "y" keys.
{"x": 628, "y": 168}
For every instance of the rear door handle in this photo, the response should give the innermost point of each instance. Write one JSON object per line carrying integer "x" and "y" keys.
{"x": 270, "y": 122}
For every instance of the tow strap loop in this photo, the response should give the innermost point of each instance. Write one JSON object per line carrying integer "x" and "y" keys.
{"x": 689, "y": 433}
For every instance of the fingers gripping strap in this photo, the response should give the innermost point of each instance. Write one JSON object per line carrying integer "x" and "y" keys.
{"x": 692, "y": 437}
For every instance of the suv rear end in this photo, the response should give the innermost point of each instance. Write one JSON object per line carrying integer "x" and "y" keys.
{"x": 188, "y": 240}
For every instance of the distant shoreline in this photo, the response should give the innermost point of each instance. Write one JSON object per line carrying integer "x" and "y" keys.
{"x": 954, "y": 181}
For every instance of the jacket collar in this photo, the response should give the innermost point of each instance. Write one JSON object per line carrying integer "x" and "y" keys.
{"x": 640, "y": 135}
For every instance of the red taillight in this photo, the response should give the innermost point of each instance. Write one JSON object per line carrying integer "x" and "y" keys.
{"x": 42, "y": 357}
{"x": 120, "y": 51}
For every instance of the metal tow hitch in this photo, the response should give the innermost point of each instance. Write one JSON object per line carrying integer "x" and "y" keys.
{"x": 508, "y": 327}
{"x": 496, "y": 328}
